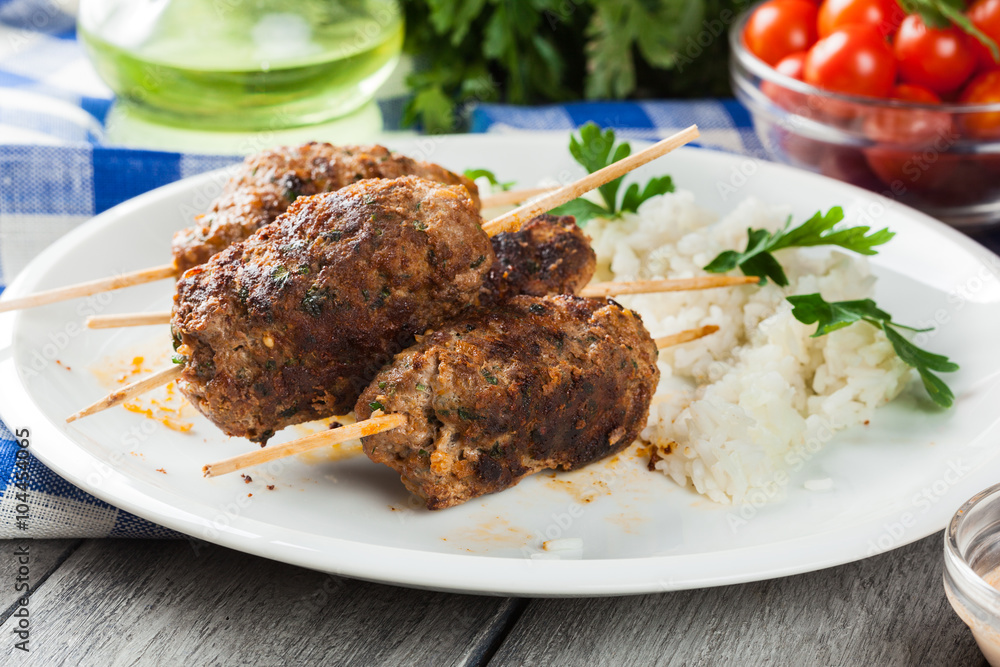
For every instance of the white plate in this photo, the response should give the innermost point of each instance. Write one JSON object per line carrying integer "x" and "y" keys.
{"x": 896, "y": 480}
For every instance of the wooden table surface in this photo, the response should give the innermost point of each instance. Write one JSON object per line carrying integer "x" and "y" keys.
{"x": 150, "y": 602}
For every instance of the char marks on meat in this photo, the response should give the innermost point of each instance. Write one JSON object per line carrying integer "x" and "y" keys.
{"x": 290, "y": 325}
{"x": 530, "y": 384}
{"x": 267, "y": 183}
{"x": 548, "y": 255}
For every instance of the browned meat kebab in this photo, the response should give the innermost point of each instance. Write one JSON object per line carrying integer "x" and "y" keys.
{"x": 291, "y": 324}
{"x": 530, "y": 384}
{"x": 268, "y": 182}
{"x": 279, "y": 331}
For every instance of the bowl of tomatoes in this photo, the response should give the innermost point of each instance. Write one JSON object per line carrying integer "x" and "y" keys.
{"x": 901, "y": 98}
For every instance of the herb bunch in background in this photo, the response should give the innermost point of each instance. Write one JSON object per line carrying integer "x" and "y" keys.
{"x": 538, "y": 51}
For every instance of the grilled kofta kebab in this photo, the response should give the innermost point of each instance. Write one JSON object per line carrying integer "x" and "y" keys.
{"x": 530, "y": 384}
{"x": 290, "y": 325}
{"x": 263, "y": 188}
{"x": 267, "y": 183}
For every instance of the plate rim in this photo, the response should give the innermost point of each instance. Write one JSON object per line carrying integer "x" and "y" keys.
{"x": 536, "y": 578}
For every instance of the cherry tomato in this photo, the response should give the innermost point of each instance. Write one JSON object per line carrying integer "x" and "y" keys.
{"x": 886, "y": 15}
{"x": 938, "y": 59}
{"x": 985, "y": 15}
{"x": 912, "y": 93}
{"x": 790, "y": 100}
{"x": 912, "y": 127}
{"x": 794, "y": 65}
{"x": 854, "y": 60}
{"x": 779, "y": 28}
{"x": 912, "y": 154}
{"x": 984, "y": 89}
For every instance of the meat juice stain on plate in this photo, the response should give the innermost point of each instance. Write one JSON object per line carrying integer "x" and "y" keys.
{"x": 164, "y": 404}
{"x": 487, "y": 533}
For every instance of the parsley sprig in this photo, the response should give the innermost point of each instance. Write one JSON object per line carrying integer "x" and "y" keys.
{"x": 473, "y": 174}
{"x": 596, "y": 149}
{"x": 830, "y": 316}
{"x": 758, "y": 260}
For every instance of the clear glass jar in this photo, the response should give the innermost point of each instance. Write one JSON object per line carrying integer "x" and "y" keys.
{"x": 972, "y": 569}
{"x": 242, "y": 64}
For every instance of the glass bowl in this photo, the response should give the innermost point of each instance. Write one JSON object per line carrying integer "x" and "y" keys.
{"x": 943, "y": 159}
{"x": 972, "y": 569}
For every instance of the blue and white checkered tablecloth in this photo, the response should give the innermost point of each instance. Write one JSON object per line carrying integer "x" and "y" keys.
{"x": 55, "y": 173}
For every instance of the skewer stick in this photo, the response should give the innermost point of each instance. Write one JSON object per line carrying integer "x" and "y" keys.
{"x": 165, "y": 376}
{"x": 513, "y": 220}
{"x": 668, "y": 285}
{"x": 590, "y": 291}
{"x": 512, "y": 197}
{"x": 685, "y": 336}
{"x": 127, "y": 320}
{"x": 314, "y": 441}
{"x": 88, "y": 288}
{"x": 372, "y": 426}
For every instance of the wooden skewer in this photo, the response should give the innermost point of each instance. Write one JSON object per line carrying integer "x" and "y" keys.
{"x": 668, "y": 285}
{"x": 376, "y": 424}
{"x": 127, "y": 320}
{"x": 314, "y": 441}
{"x": 512, "y": 197}
{"x": 685, "y": 336}
{"x": 88, "y": 288}
{"x": 514, "y": 219}
{"x": 165, "y": 376}
{"x": 591, "y": 291}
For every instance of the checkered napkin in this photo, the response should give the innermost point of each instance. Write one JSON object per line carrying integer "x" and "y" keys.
{"x": 55, "y": 175}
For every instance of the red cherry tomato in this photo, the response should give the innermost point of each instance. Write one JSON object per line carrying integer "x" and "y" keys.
{"x": 912, "y": 127}
{"x": 912, "y": 93}
{"x": 784, "y": 97}
{"x": 985, "y": 15}
{"x": 793, "y": 65}
{"x": 779, "y": 28}
{"x": 940, "y": 60}
{"x": 913, "y": 144}
{"x": 984, "y": 89}
{"x": 854, "y": 60}
{"x": 886, "y": 15}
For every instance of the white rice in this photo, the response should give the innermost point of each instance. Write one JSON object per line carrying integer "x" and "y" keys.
{"x": 735, "y": 411}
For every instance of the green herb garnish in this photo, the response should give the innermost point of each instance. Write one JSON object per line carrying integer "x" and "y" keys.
{"x": 375, "y": 405}
{"x": 595, "y": 149}
{"x": 279, "y": 274}
{"x": 489, "y": 377}
{"x": 757, "y": 259}
{"x": 178, "y": 358}
{"x": 830, "y": 316}
{"x": 473, "y": 174}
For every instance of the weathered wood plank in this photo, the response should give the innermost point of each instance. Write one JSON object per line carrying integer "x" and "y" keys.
{"x": 887, "y": 610}
{"x": 119, "y": 602}
{"x": 43, "y": 557}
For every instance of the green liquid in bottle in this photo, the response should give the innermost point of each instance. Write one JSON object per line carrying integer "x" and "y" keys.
{"x": 242, "y": 64}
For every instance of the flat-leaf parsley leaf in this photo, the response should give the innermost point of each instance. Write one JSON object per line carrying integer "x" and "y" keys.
{"x": 830, "y": 316}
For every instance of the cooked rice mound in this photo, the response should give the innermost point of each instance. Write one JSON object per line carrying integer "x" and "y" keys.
{"x": 735, "y": 411}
